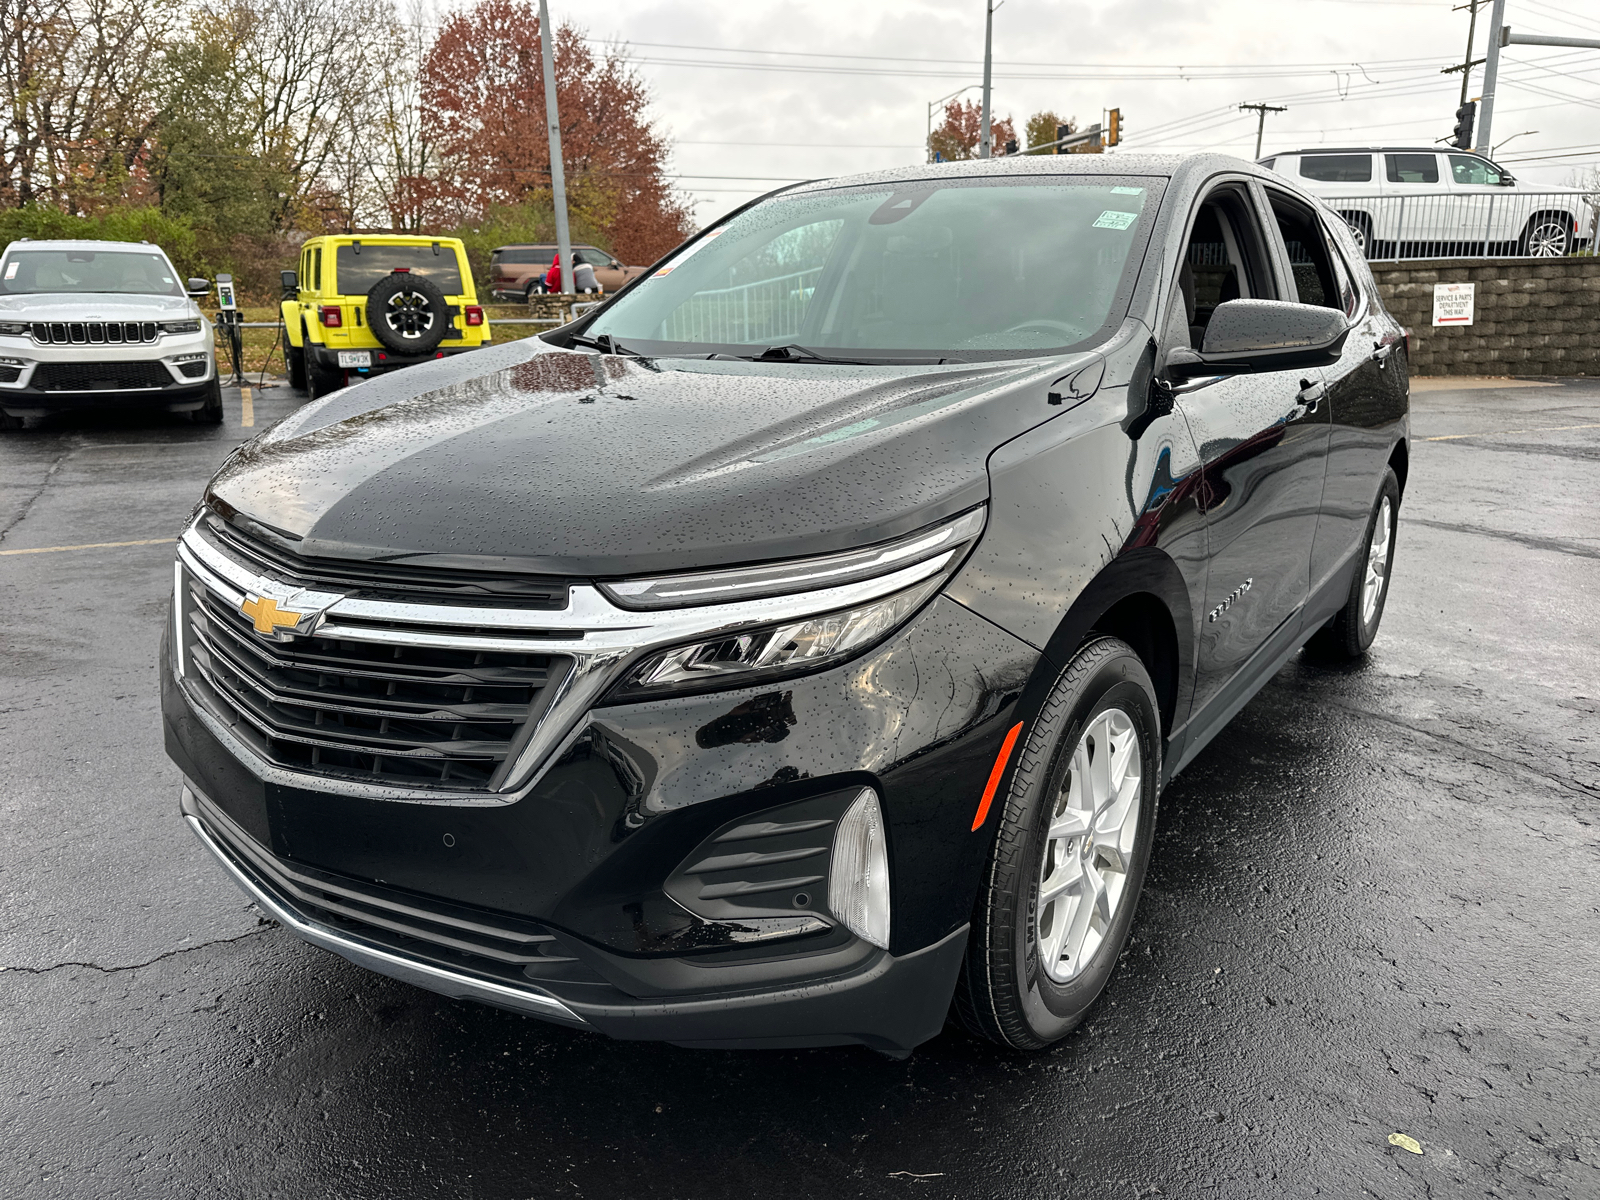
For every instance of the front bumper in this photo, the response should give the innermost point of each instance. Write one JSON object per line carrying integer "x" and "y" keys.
{"x": 174, "y": 373}
{"x": 590, "y": 860}
{"x": 891, "y": 1004}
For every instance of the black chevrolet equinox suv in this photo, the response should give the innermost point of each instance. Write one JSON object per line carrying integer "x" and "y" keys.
{"x": 792, "y": 651}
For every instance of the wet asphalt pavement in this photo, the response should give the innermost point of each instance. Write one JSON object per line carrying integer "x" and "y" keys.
{"x": 1374, "y": 908}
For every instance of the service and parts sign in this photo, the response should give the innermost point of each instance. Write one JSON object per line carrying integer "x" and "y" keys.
{"x": 1452, "y": 303}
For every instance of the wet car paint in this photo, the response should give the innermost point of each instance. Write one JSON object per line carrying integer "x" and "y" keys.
{"x": 1340, "y": 938}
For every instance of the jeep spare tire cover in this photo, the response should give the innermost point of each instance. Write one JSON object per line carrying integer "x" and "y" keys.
{"x": 408, "y": 313}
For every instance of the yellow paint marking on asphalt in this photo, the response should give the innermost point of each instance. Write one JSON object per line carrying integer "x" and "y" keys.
{"x": 92, "y": 546}
{"x": 248, "y": 407}
{"x": 1451, "y": 437}
{"x": 1462, "y": 383}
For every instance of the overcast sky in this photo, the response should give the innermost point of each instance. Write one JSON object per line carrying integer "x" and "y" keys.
{"x": 766, "y": 91}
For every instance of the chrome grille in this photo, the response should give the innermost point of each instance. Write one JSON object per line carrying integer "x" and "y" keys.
{"x": 402, "y": 713}
{"x": 94, "y": 333}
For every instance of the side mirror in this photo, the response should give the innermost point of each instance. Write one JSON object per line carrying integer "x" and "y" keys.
{"x": 615, "y": 265}
{"x": 198, "y": 287}
{"x": 290, "y": 281}
{"x": 1251, "y": 336}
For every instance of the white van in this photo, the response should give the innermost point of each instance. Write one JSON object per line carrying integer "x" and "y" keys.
{"x": 1410, "y": 202}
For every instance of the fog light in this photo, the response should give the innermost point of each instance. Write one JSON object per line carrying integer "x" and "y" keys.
{"x": 12, "y": 362}
{"x": 187, "y": 357}
{"x": 858, "y": 876}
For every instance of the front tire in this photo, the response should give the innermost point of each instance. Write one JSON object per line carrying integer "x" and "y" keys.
{"x": 1349, "y": 632}
{"x": 211, "y": 412}
{"x": 1068, "y": 862}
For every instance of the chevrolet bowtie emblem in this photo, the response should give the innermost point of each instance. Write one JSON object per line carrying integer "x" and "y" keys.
{"x": 268, "y": 617}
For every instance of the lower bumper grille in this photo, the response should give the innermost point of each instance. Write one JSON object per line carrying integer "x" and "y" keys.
{"x": 101, "y": 377}
{"x": 489, "y": 944}
{"x": 413, "y": 714}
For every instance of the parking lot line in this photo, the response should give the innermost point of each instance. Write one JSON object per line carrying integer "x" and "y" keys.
{"x": 91, "y": 546}
{"x": 247, "y": 408}
{"x": 1451, "y": 437}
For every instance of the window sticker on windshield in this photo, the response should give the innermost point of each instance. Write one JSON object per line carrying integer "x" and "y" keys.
{"x": 1111, "y": 219}
{"x": 1127, "y": 191}
{"x": 689, "y": 253}
{"x": 11, "y": 268}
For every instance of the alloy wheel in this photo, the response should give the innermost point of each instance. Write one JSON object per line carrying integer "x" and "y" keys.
{"x": 1377, "y": 562}
{"x": 1088, "y": 851}
{"x": 1548, "y": 239}
{"x": 409, "y": 314}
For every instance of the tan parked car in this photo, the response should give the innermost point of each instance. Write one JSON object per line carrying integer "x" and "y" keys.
{"x": 516, "y": 272}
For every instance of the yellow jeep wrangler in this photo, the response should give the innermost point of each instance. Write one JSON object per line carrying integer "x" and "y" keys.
{"x": 362, "y": 304}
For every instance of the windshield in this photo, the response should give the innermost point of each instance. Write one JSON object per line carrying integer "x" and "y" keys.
{"x": 360, "y": 267}
{"x": 960, "y": 269}
{"x": 127, "y": 272}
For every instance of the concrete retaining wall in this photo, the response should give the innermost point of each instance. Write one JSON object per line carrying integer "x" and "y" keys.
{"x": 1533, "y": 316}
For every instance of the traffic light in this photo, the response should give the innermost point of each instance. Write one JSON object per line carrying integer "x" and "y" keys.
{"x": 1011, "y": 145}
{"x": 1462, "y": 134}
{"x": 1114, "y": 127}
{"x": 1062, "y": 131}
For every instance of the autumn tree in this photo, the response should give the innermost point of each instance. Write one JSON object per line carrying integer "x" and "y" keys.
{"x": 483, "y": 106}
{"x": 957, "y": 136}
{"x": 1042, "y": 128}
{"x": 76, "y": 85}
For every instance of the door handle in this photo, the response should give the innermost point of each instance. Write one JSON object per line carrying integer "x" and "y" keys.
{"x": 1381, "y": 352}
{"x": 1311, "y": 395}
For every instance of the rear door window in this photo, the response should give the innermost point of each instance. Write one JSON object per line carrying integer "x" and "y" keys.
{"x": 358, "y": 268}
{"x": 1411, "y": 168}
{"x": 1337, "y": 168}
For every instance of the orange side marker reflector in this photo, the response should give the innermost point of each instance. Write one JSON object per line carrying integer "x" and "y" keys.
{"x": 995, "y": 776}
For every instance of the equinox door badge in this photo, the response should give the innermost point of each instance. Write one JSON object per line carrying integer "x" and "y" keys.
{"x": 1229, "y": 602}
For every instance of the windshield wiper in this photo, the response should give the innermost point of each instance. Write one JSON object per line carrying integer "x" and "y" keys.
{"x": 604, "y": 343}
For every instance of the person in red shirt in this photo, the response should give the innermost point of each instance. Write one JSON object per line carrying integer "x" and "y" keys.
{"x": 552, "y": 277}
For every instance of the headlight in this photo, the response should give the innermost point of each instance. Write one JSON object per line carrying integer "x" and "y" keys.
{"x": 180, "y": 327}
{"x": 745, "y": 658}
{"x": 14, "y": 328}
{"x": 799, "y": 575}
{"x": 862, "y": 595}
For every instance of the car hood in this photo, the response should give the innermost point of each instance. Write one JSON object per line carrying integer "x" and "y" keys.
{"x": 97, "y": 306}
{"x": 533, "y": 458}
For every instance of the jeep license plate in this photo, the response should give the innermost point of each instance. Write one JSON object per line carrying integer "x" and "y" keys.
{"x": 355, "y": 358}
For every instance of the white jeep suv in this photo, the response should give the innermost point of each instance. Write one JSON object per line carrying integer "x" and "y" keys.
{"x": 87, "y": 323}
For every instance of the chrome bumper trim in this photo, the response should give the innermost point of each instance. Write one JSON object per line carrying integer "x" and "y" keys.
{"x": 376, "y": 958}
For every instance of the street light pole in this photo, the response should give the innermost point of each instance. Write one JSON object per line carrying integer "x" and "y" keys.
{"x": 985, "y": 138}
{"x": 933, "y": 104}
{"x": 558, "y": 175}
{"x": 1491, "y": 75}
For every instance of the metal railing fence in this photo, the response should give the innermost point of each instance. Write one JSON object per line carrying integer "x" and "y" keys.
{"x": 766, "y": 310}
{"x": 1493, "y": 223}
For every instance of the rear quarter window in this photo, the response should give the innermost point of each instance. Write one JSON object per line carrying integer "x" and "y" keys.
{"x": 1336, "y": 168}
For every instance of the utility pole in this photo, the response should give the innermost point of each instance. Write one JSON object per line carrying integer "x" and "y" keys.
{"x": 558, "y": 175}
{"x": 1261, "y": 111}
{"x": 985, "y": 137}
{"x": 1491, "y": 73}
{"x": 1466, "y": 63}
